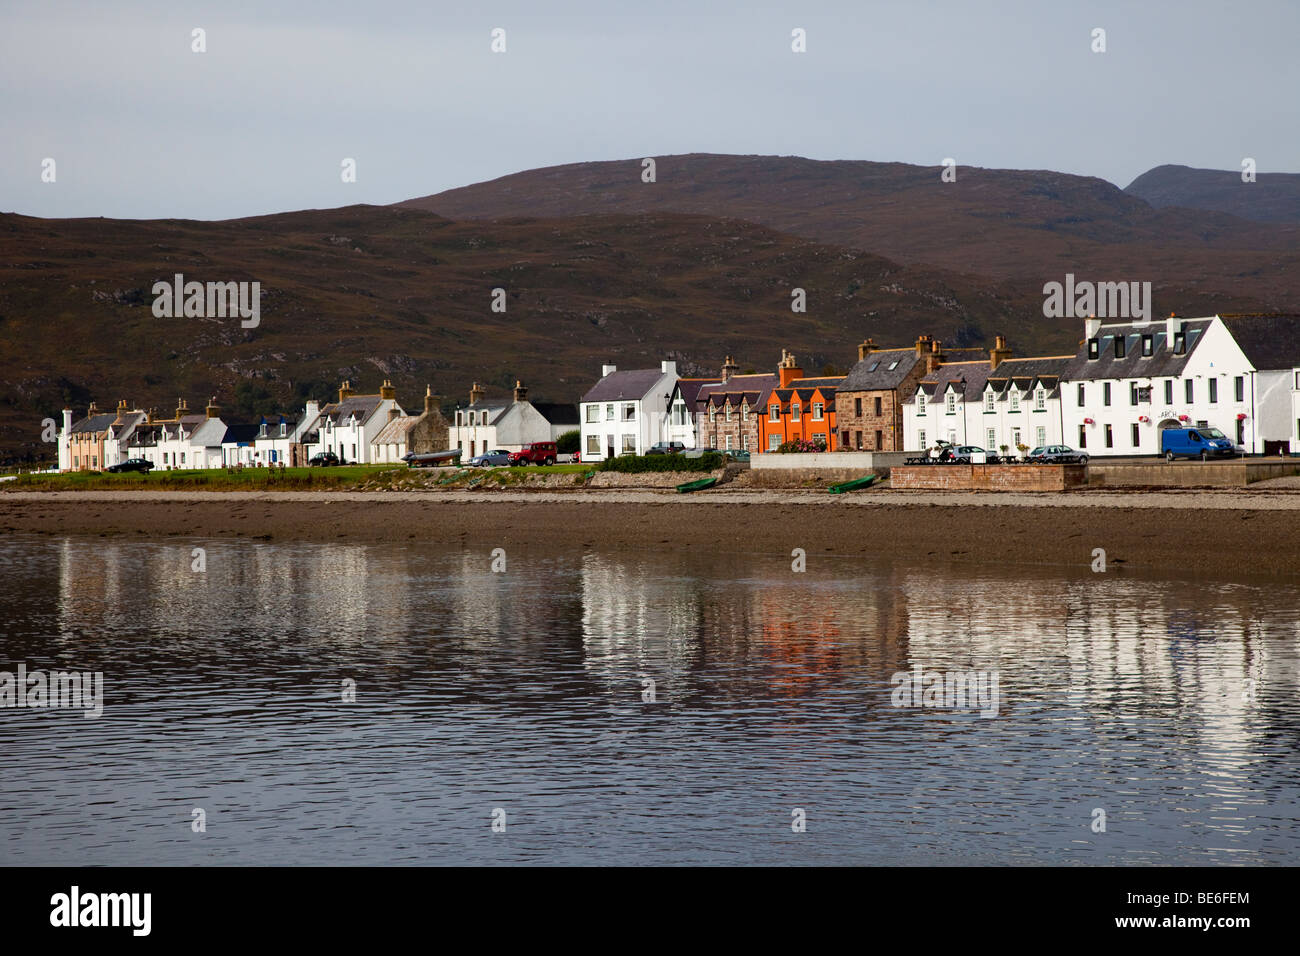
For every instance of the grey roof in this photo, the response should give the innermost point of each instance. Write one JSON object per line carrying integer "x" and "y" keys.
{"x": 1161, "y": 363}
{"x": 363, "y": 406}
{"x": 804, "y": 388}
{"x": 95, "y": 423}
{"x": 628, "y": 386}
{"x": 240, "y": 433}
{"x": 1270, "y": 340}
{"x": 558, "y": 413}
{"x": 971, "y": 378}
{"x": 751, "y": 389}
{"x": 873, "y": 373}
{"x": 496, "y": 407}
{"x": 689, "y": 388}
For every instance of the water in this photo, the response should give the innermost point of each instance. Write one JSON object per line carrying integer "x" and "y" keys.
{"x": 523, "y": 692}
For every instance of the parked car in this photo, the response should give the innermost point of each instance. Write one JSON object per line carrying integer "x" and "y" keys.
{"x": 490, "y": 459}
{"x": 1202, "y": 443}
{"x": 738, "y": 455}
{"x": 666, "y": 448}
{"x": 968, "y": 454}
{"x": 322, "y": 458}
{"x": 1057, "y": 455}
{"x": 131, "y": 464}
{"x": 701, "y": 452}
{"x": 535, "y": 453}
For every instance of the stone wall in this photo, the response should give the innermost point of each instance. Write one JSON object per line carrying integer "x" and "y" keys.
{"x": 989, "y": 477}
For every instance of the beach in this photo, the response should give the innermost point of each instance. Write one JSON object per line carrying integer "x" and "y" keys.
{"x": 1214, "y": 533}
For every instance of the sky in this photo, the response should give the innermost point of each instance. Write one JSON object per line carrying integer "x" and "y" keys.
{"x": 140, "y": 126}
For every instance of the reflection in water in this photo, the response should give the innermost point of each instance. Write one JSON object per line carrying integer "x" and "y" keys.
{"x": 1171, "y": 705}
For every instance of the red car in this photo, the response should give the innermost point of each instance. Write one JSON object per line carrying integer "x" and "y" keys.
{"x": 535, "y": 453}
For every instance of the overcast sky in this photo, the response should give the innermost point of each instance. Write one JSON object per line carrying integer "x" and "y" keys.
{"x": 141, "y": 127}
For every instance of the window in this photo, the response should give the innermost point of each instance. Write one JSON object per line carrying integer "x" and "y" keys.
{"x": 629, "y": 444}
{"x": 1241, "y": 432}
{"x": 1189, "y": 391}
{"x": 857, "y": 402}
{"x": 1040, "y": 400}
{"x": 1121, "y": 346}
{"x": 744, "y": 441}
{"x": 877, "y": 405}
{"x": 1105, "y": 393}
{"x": 893, "y": 365}
{"x": 1079, "y": 397}
{"x": 989, "y": 399}
{"x": 991, "y": 439}
{"x": 773, "y": 442}
{"x": 857, "y": 440}
{"x": 1214, "y": 390}
{"x": 1083, "y": 437}
{"x": 713, "y": 414}
{"x": 920, "y": 439}
{"x": 1169, "y": 391}
{"x": 950, "y": 403}
{"x": 1132, "y": 393}
{"x": 794, "y": 411}
{"x": 727, "y": 445}
{"x": 609, "y": 413}
{"x": 1110, "y": 440}
{"x": 774, "y": 413}
{"x": 818, "y": 411}
{"x": 1137, "y": 437}
{"x": 1180, "y": 342}
{"x": 1040, "y": 435}
{"x": 920, "y": 404}
{"x": 593, "y": 413}
{"x": 1146, "y": 345}
{"x": 726, "y": 412}
{"x": 874, "y": 366}
{"x": 744, "y": 412}
{"x": 1239, "y": 387}
{"x": 1014, "y": 398}
{"x": 1094, "y": 348}
{"x": 593, "y": 443}
{"x": 880, "y": 440}
{"x": 629, "y": 411}
{"x": 1015, "y": 437}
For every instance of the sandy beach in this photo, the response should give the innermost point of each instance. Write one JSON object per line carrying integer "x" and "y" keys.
{"x": 1224, "y": 533}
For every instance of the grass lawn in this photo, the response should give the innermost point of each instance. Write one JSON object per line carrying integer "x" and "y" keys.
{"x": 214, "y": 479}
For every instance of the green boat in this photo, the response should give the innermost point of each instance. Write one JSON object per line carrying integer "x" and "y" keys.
{"x": 697, "y": 485}
{"x": 853, "y": 485}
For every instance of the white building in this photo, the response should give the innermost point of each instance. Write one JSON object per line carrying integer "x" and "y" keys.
{"x": 508, "y": 424}
{"x": 180, "y": 443}
{"x": 393, "y": 441}
{"x": 271, "y": 444}
{"x": 683, "y": 411}
{"x": 349, "y": 426}
{"x": 995, "y": 404}
{"x": 1132, "y": 379}
{"x": 627, "y": 412}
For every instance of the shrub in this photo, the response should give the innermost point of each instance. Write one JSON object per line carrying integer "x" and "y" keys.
{"x": 632, "y": 464}
{"x": 800, "y": 446}
{"x": 568, "y": 442}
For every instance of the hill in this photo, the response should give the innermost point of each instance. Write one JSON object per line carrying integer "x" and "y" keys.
{"x": 1272, "y": 197}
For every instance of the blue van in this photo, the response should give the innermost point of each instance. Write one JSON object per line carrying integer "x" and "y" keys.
{"x": 1202, "y": 443}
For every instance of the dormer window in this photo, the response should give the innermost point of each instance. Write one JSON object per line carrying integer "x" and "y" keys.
{"x": 1014, "y": 397}
{"x": 774, "y": 413}
{"x": 920, "y": 403}
{"x": 1094, "y": 348}
{"x": 950, "y": 403}
{"x": 284, "y": 429}
{"x": 1180, "y": 342}
{"x": 1147, "y": 345}
{"x": 1121, "y": 346}
{"x": 744, "y": 412}
{"x": 893, "y": 365}
{"x": 989, "y": 398}
{"x": 727, "y": 412}
{"x": 794, "y": 412}
{"x": 1040, "y": 398}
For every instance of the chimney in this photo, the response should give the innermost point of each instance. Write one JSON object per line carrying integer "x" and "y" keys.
{"x": 148, "y": 416}
{"x": 1169, "y": 331}
{"x": 428, "y": 399}
{"x": 67, "y": 421}
{"x": 310, "y": 411}
{"x": 729, "y": 369}
{"x": 788, "y": 371}
{"x": 387, "y": 391}
{"x": 521, "y": 393}
{"x": 999, "y": 353}
{"x": 122, "y": 407}
{"x": 476, "y": 394}
{"x": 668, "y": 368}
{"x": 92, "y": 410}
{"x": 865, "y": 349}
{"x": 394, "y": 412}
{"x": 213, "y": 409}
{"x": 608, "y": 370}
{"x": 345, "y": 391}
{"x": 934, "y": 358}
{"x": 1091, "y": 326}
{"x": 182, "y": 408}
{"x": 922, "y": 343}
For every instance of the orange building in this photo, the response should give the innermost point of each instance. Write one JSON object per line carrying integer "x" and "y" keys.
{"x": 799, "y": 408}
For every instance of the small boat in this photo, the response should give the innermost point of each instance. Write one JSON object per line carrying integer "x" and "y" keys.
{"x": 853, "y": 485}
{"x": 699, "y": 485}
{"x": 431, "y": 459}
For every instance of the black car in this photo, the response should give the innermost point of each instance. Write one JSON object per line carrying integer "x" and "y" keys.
{"x": 131, "y": 464}
{"x": 323, "y": 458}
{"x": 666, "y": 448}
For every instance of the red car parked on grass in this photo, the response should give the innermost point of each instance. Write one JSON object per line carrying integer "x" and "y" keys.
{"x": 535, "y": 453}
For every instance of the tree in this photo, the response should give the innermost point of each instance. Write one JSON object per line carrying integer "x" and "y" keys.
{"x": 568, "y": 442}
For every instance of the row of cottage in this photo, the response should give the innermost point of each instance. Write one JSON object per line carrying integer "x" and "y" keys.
{"x": 1237, "y": 373}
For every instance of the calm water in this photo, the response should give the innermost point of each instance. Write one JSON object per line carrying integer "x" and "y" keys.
{"x": 523, "y": 691}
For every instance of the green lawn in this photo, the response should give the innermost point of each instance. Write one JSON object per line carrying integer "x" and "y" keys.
{"x": 215, "y": 479}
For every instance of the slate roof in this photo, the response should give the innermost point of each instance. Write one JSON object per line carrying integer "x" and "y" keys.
{"x": 495, "y": 407}
{"x": 1161, "y": 363}
{"x": 972, "y": 377}
{"x": 873, "y": 373}
{"x": 629, "y": 386}
{"x": 558, "y": 413}
{"x": 753, "y": 389}
{"x": 363, "y": 406}
{"x": 240, "y": 433}
{"x": 804, "y": 388}
{"x": 1270, "y": 340}
{"x": 94, "y": 423}
{"x": 690, "y": 388}
{"x": 396, "y": 431}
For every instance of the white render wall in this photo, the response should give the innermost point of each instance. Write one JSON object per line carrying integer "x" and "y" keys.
{"x": 970, "y": 423}
{"x": 649, "y": 425}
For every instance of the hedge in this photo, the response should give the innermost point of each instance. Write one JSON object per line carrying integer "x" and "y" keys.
{"x": 635, "y": 463}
